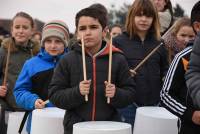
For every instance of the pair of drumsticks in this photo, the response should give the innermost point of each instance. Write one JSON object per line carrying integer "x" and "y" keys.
{"x": 109, "y": 40}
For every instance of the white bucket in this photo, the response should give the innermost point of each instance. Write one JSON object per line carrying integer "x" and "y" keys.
{"x": 101, "y": 127}
{"x": 14, "y": 121}
{"x": 155, "y": 120}
{"x": 47, "y": 121}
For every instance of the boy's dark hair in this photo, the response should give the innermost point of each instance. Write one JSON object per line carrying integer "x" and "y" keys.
{"x": 195, "y": 13}
{"x": 94, "y": 13}
{"x": 102, "y": 8}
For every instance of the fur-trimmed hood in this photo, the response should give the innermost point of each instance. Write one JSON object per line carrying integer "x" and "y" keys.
{"x": 35, "y": 46}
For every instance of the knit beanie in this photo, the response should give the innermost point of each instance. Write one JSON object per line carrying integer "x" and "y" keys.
{"x": 55, "y": 28}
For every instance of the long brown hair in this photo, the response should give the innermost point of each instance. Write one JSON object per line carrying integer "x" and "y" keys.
{"x": 147, "y": 8}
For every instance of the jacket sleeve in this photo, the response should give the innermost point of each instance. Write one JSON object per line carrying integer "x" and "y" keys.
{"x": 22, "y": 91}
{"x": 171, "y": 97}
{"x": 125, "y": 85}
{"x": 61, "y": 94}
{"x": 193, "y": 73}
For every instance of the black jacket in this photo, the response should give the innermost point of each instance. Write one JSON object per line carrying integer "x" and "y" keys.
{"x": 149, "y": 75}
{"x": 64, "y": 88}
{"x": 175, "y": 94}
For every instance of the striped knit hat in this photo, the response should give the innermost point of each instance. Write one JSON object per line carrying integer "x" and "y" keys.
{"x": 55, "y": 28}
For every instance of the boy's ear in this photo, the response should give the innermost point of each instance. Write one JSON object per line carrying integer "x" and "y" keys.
{"x": 196, "y": 26}
{"x": 105, "y": 30}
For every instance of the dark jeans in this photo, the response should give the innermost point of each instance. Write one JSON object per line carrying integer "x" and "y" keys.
{"x": 128, "y": 114}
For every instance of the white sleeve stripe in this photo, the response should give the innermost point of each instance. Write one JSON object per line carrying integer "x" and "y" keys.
{"x": 172, "y": 108}
{"x": 173, "y": 103}
{"x": 165, "y": 97}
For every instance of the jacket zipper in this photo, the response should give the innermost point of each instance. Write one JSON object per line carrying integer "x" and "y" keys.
{"x": 94, "y": 89}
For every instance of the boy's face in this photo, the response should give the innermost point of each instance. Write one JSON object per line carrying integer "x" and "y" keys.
{"x": 196, "y": 26}
{"x": 92, "y": 32}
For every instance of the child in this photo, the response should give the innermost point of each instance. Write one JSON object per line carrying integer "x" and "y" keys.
{"x": 165, "y": 13}
{"x": 32, "y": 84}
{"x": 116, "y": 30}
{"x": 142, "y": 35}
{"x": 20, "y": 48}
{"x": 178, "y": 37}
{"x": 67, "y": 88}
{"x": 175, "y": 94}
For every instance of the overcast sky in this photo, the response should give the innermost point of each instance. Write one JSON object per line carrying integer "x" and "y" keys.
{"x": 65, "y": 10}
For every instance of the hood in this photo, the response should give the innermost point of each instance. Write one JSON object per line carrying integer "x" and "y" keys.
{"x": 102, "y": 52}
{"x": 149, "y": 36}
{"x": 34, "y": 45}
{"x": 47, "y": 57}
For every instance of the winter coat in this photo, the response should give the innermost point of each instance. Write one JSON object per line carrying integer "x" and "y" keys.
{"x": 33, "y": 81}
{"x": 166, "y": 20}
{"x": 18, "y": 55}
{"x": 174, "y": 94}
{"x": 149, "y": 76}
{"x": 64, "y": 89}
{"x": 193, "y": 73}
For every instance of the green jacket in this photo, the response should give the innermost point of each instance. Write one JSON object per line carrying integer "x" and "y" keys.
{"x": 18, "y": 55}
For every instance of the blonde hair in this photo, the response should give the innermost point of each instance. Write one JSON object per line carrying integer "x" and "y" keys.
{"x": 181, "y": 22}
{"x": 138, "y": 8}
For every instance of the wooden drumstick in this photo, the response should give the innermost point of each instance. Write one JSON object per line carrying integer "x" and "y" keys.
{"x": 110, "y": 65}
{"x": 6, "y": 67}
{"x": 84, "y": 64}
{"x": 45, "y": 102}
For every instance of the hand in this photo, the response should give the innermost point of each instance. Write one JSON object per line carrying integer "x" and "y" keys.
{"x": 3, "y": 91}
{"x": 196, "y": 117}
{"x": 39, "y": 104}
{"x": 84, "y": 87}
{"x": 110, "y": 90}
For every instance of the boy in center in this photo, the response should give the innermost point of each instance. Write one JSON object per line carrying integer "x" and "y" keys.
{"x": 68, "y": 88}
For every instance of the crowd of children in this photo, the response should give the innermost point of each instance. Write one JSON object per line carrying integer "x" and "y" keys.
{"x": 91, "y": 76}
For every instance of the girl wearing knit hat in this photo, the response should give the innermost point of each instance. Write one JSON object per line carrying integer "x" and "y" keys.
{"x": 29, "y": 93}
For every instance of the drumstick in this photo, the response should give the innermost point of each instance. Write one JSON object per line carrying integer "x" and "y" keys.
{"x": 6, "y": 68}
{"x": 45, "y": 102}
{"x": 84, "y": 64}
{"x": 110, "y": 65}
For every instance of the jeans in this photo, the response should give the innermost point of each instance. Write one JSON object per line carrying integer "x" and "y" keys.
{"x": 128, "y": 113}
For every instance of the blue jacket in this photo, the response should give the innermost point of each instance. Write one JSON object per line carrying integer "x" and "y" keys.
{"x": 33, "y": 81}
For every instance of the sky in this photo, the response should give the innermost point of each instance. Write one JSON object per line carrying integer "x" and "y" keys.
{"x": 66, "y": 10}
